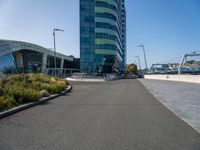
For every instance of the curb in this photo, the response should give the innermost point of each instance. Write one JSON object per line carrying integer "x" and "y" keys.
{"x": 31, "y": 104}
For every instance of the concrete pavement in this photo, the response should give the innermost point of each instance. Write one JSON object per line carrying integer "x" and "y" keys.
{"x": 118, "y": 115}
{"x": 180, "y": 97}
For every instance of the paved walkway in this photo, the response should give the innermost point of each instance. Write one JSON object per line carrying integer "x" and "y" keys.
{"x": 182, "y": 98}
{"x": 118, "y": 115}
{"x": 85, "y": 80}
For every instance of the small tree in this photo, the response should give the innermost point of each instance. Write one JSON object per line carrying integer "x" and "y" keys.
{"x": 131, "y": 69}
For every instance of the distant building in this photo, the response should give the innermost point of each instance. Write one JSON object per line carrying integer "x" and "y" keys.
{"x": 102, "y": 36}
{"x": 18, "y": 57}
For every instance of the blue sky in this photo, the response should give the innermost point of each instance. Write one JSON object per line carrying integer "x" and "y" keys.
{"x": 167, "y": 28}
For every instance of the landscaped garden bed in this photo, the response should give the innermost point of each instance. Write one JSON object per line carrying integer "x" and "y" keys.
{"x": 20, "y": 89}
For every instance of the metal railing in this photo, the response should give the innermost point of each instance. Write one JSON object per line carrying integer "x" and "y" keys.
{"x": 96, "y": 76}
{"x": 63, "y": 72}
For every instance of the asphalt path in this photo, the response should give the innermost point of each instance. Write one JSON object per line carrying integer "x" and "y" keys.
{"x": 117, "y": 115}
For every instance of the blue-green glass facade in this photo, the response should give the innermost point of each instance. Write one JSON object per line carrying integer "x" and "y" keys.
{"x": 102, "y": 36}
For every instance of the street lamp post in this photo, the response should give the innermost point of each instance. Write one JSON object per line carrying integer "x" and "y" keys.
{"x": 54, "y": 37}
{"x": 144, "y": 56}
{"x": 139, "y": 63}
{"x": 136, "y": 63}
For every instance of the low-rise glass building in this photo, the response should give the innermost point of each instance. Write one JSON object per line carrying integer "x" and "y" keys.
{"x": 18, "y": 57}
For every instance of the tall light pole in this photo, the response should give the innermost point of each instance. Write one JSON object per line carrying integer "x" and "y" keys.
{"x": 136, "y": 63}
{"x": 139, "y": 63}
{"x": 54, "y": 40}
{"x": 145, "y": 59}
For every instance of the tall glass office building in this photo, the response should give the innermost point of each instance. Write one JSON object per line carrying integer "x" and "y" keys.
{"x": 102, "y": 36}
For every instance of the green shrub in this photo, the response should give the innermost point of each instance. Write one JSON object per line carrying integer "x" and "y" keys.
{"x": 66, "y": 82}
{"x": 4, "y": 82}
{"x": 16, "y": 92}
{"x": 54, "y": 88}
{"x": 40, "y": 77}
{"x": 30, "y": 95}
{"x": 50, "y": 88}
{"x": 1, "y": 91}
{"x": 6, "y": 102}
{"x": 36, "y": 85}
{"x": 23, "y": 95}
{"x": 19, "y": 89}
{"x": 17, "y": 78}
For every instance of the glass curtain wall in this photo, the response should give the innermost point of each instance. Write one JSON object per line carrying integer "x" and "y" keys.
{"x": 102, "y": 36}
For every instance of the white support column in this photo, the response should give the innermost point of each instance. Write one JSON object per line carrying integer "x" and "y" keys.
{"x": 62, "y": 63}
{"x": 181, "y": 63}
{"x": 44, "y": 62}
